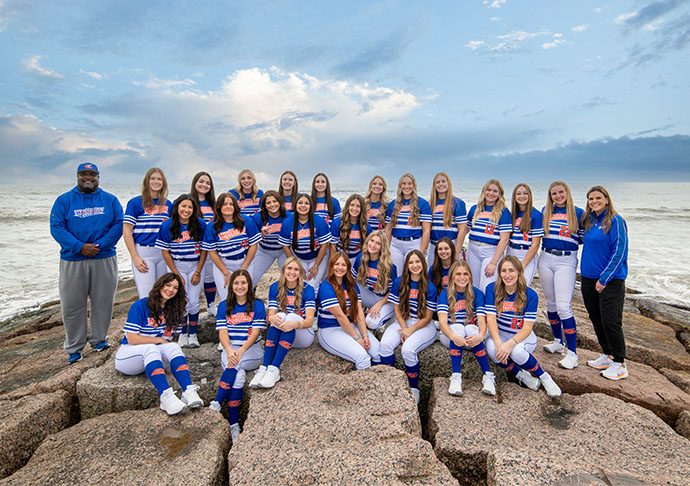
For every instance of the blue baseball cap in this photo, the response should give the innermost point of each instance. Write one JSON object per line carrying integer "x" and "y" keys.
{"x": 88, "y": 166}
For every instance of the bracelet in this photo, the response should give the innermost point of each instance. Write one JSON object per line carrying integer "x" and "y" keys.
{"x": 514, "y": 341}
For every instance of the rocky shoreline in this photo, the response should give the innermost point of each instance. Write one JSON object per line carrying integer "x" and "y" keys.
{"x": 326, "y": 423}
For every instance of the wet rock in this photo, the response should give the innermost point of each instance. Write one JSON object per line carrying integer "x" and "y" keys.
{"x": 135, "y": 447}
{"x": 523, "y": 437}
{"x": 683, "y": 424}
{"x": 679, "y": 378}
{"x": 25, "y": 422}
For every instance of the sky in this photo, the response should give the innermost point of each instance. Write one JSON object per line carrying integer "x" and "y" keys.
{"x": 509, "y": 89}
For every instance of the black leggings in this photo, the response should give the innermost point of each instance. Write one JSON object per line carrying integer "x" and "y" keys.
{"x": 606, "y": 313}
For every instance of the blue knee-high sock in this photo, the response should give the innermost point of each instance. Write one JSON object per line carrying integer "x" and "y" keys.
{"x": 388, "y": 360}
{"x": 455, "y": 357}
{"x": 185, "y": 328}
{"x": 156, "y": 373}
{"x": 227, "y": 379}
{"x": 480, "y": 353}
{"x": 210, "y": 292}
{"x": 555, "y": 322}
{"x": 272, "y": 338}
{"x": 570, "y": 332}
{"x": 510, "y": 366}
{"x": 234, "y": 403}
{"x": 193, "y": 322}
{"x": 284, "y": 345}
{"x": 532, "y": 366}
{"x": 413, "y": 375}
{"x": 180, "y": 371}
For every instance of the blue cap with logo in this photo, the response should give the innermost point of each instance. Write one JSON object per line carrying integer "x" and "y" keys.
{"x": 88, "y": 166}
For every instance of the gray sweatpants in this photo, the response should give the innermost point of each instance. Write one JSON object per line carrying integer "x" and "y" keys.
{"x": 97, "y": 280}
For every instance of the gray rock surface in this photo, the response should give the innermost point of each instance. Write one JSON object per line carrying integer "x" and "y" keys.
{"x": 144, "y": 447}
{"x": 523, "y": 437}
{"x": 676, "y": 318}
{"x": 25, "y": 422}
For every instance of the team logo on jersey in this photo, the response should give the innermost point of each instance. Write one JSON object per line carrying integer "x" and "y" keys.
{"x": 438, "y": 208}
{"x": 206, "y": 209}
{"x": 414, "y": 293}
{"x": 459, "y": 305}
{"x": 152, "y": 211}
{"x": 484, "y": 214}
{"x": 152, "y": 322}
{"x": 272, "y": 228}
{"x": 303, "y": 233}
{"x": 230, "y": 234}
{"x": 508, "y": 307}
{"x": 241, "y": 318}
{"x": 86, "y": 212}
{"x": 184, "y": 237}
{"x": 355, "y": 235}
{"x": 559, "y": 216}
{"x": 444, "y": 281}
{"x": 247, "y": 202}
{"x": 373, "y": 273}
{"x": 372, "y": 213}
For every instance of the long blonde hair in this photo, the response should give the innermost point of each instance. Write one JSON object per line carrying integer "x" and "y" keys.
{"x": 500, "y": 291}
{"x": 610, "y": 213}
{"x": 573, "y": 223}
{"x": 240, "y": 189}
{"x": 499, "y": 206}
{"x": 405, "y": 284}
{"x": 146, "y": 198}
{"x": 383, "y": 199}
{"x": 414, "y": 202}
{"x": 385, "y": 266}
{"x": 526, "y": 221}
{"x": 282, "y": 285}
{"x": 449, "y": 203}
{"x": 469, "y": 293}
{"x": 345, "y": 223}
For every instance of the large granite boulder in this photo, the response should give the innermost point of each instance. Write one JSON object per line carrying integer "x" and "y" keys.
{"x": 645, "y": 386}
{"x": 25, "y": 422}
{"x": 675, "y": 317}
{"x": 143, "y": 447}
{"x": 683, "y": 424}
{"x": 524, "y": 437}
{"x": 680, "y": 378}
{"x": 333, "y": 428}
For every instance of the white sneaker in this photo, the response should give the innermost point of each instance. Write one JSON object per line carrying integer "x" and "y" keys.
{"x": 193, "y": 341}
{"x": 601, "y": 363}
{"x": 211, "y": 309}
{"x": 220, "y": 346}
{"x": 183, "y": 340}
{"x": 555, "y": 347}
{"x": 550, "y": 386}
{"x": 415, "y": 394}
{"x": 455, "y": 387}
{"x": 258, "y": 376}
{"x": 191, "y": 398}
{"x": 528, "y": 380}
{"x": 214, "y": 405}
{"x": 270, "y": 378}
{"x": 569, "y": 362}
{"x": 617, "y": 371}
{"x": 234, "y": 432}
{"x": 170, "y": 404}
{"x": 489, "y": 383}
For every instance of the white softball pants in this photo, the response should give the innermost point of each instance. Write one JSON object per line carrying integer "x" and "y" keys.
{"x": 303, "y": 337}
{"x": 478, "y": 257}
{"x": 336, "y": 341}
{"x": 156, "y": 265}
{"x": 251, "y": 359}
{"x": 231, "y": 265}
{"x": 419, "y": 340}
{"x": 521, "y": 351}
{"x": 369, "y": 298}
{"x": 263, "y": 259}
{"x": 187, "y": 270}
{"x": 557, "y": 277}
{"x": 531, "y": 268}
{"x": 320, "y": 274}
{"x": 400, "y": 249}
{"x": 460, "y": 330}
{"x": 131, "y": 359}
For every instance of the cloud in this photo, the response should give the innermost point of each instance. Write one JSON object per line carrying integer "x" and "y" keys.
{"x": 650, "y": 13}
{"x": 512, "y": 41}
{"x": 495, "y": 19}
{"x": 598, "y": 101}
{"x": 157, "y": 83}
{"x": 32, "y": 65}
{"x": 93, "y": 74}
{"x": 494, "y": 3}
{"x": 383, "y": 51}
{"x": 667, "y": 38}
{"x": 597, "y": 9}
{"x": 619, "y": 19}
{"x": 557, "y": 41}
{"x": 475, "y": 44}
{"x": 579, "y": 28}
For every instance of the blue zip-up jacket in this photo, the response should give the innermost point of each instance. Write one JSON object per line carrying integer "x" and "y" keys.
{"x": 78, "y": 218}
{"x": 605, "y": 256}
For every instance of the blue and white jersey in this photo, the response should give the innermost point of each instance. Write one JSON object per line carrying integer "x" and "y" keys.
{"x": 206, "y": 210}
{"x": 321, "y": 209}
{"x": 270, "y": 231}
{"x": 438, "y": 230}
{"x": 322, "y": 236}
{"x": 327, "y": 300}
{"x": 520, "y": 239}
{"x": 373, "y": 274}
{"x": 403, "y": 226}
{"x": 248, "y": 205}
{"x": 231, "y": 243}
{"x": 355, "y": 237}
{"x": 557, "y": 236}
{"x": 308, "y": 300}
{"x": 486, "y": 231}
{"x": 148, "y": 221}
{"x": 394, "y": 297}
{"x": 287, "y": 203}
{"x": 140, "y": 322}
{"x": 242, "y": 322}
{"x": 444, "y": 277}
{"x": 184, "y": 248}
{"x": 605, "y": 256}
{"x": 372, "y": 212}
{"x": 509, "y": 321}
{"x": 460, "y": 308}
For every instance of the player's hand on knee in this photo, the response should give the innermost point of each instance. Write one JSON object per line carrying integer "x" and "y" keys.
{"x": 473, "y": 340}
{"x": 140, "y": 264}
{"x": 459, "y": 341}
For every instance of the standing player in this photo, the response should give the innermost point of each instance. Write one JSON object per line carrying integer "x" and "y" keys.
{"x": 528, "y": 230}
{"x": 289, "y": 189}
{"x": 449, "y": 216}
{"x": 269, "y": 220}
{"x": 203, "y": 192}
{"x": 377, "y": 203}
{"x": 325, "y": 205}
{"x": 348, "y": 233}
{"x": 247, "y": 194}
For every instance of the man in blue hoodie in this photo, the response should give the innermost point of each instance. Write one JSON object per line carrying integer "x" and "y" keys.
{"x": 87, "y": 223}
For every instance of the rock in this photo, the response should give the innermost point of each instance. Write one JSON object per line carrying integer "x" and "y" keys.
{"x": 311, "y": 362}
{"x": 683, "y": 424}
{"x": 645, "y": 386}
{"x": 679, "y": 378}
{"x": 25, "y": 422}
{"x": 684, "y": 339}
{"x": 104, "y": 390}
{"x": 676, "y": 318}
{"x": 332, "y": 428}
{"x": 135, "y": 447}
{"x": 522, "y": 437}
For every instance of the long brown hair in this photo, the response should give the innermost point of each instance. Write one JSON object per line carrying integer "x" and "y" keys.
{"x": 231, "y": 300}
{"x": 345, "y": 223}
{"x": 210, "y": 195}
{"x": 385, "y": 265}
{"x": 295, "y": 188}
{"x": 218, "y": 219}
{"x": 383, "y": 198}
{"x": 573, "y": 224}
{"x": 282, "y": 285}
{"x": 500, "y": 291}
{"x": 329, "y": 198}
{"x": 174, "y": 309}
{"x": 310, "y": 222}
{"x": 404, "y": 290}
{"x": 146, "y": 198}
{"x": 264, "y": 211}
{"x": 610, "y": 213}
{"x": 349, "y": 282}
{"x": 449, "y": 202}
{"x": 469, "y": 293}
{"x": 499, "y": 205}
{"x": 414, "y": 202}
{"x": 526, "y": 221}
{"x": 437, "y": 266}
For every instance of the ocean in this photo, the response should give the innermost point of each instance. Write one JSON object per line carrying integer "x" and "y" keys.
{"x": 658, "y": 217}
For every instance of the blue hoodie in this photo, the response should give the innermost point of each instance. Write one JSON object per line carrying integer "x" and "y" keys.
{"x": 78, "y": 218}
{"x": 605, "y": 255}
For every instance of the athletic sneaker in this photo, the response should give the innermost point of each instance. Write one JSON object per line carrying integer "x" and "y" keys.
{"x": 183, "y": 340}
{"x": 550, "y": 386}
{"x": 528, "y": 380}
{"x": 271, "y": 377}
{"x": 235, "y": 432}
{"x": 191, "y": 398}
{"x": 214, "y": 405}
{"x": 258, "y": 376}
{"x": 74, "y": 357}
{"x": 102, "y": 346}
{"x": 555, "y": 347}
{"x": 489, "y": 383}
{"x": 569, "y": 362}
{"x": 193, "y": 342}
{"x": 211, "y": 309}
{"x": 170, "y": 404}
{"x": 617, "y": 371}
{"x": 415, "y": 394}
{"x": 455, "y": 387}
{"x": 601, "y": 363}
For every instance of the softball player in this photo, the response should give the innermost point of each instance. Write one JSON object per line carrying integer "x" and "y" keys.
{"x": 247, "y": 194}
{"x": 325, "y": 206}
{"x": 443, "y": 259}
{"x": 348, "y": 233}
{"x": 449, "y": 216}
{"x": 527, "y": 230}
{"x": 289, "y": 189}
{"x": 204, "y": 194}
{"x": 149, "y": 329}
{"x": 269, "y": 220}
{"x": 377, "y": 203}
